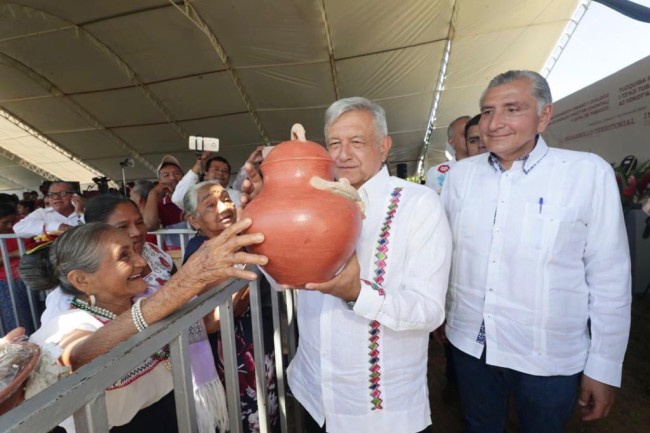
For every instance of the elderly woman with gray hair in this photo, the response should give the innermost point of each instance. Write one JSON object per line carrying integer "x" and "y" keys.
{"x": 97, "y": 264}
{"x": 209, "y": 209}
{"x": 123, "y": 214}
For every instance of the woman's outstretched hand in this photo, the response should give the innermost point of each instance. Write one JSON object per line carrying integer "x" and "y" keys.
{"x": 215, "y": 261}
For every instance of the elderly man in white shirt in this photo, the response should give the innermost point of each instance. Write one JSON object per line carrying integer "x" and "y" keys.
{"x": 539, "y": 298}
{"x": 66, "y": 210}
{"x": 361, "y": 362}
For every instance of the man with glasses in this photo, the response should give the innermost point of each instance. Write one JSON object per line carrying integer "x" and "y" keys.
{"x": 216, "y": 168}
{"x": 66, "y": 210}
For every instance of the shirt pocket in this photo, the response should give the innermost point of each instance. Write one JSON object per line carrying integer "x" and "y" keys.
{"x": 546, "y": 226}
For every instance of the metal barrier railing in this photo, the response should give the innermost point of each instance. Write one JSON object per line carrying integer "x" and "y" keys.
{"x": 82, "y": 393}
{"x": 184, "y": 234}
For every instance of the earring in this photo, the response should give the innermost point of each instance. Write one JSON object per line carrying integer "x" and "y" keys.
{"x": 91, "y": 300}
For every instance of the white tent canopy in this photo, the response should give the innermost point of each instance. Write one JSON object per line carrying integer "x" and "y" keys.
{"x": 99, "y": 81}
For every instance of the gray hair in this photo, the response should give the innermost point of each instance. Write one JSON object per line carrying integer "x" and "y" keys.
{"x": 62, "y": 182}
{"x": 342, "y": 106}
{"x": 143, "y": 187}
{"x": 450, "y": 129}
{"x": 541, "y": 90}
{"x": 78, "y": 248}
{"x": 191, "y": 197}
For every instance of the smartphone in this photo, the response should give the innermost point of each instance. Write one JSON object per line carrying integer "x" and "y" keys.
{"x": 204, "y": 143}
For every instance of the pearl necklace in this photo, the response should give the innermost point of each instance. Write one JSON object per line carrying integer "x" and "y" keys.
{"x": 161, "y": 355}
{"x": 97, "y": 311}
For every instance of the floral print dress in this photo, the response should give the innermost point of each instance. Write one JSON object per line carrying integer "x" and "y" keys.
{"x": 246, "y": 359}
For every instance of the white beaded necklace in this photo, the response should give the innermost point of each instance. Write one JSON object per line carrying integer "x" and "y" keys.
{"x": 97, "y": 311}
{"x": 162, "y": 354}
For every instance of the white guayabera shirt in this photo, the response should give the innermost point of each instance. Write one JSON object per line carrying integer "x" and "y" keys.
{"x": 45, "y": 220}
{"x": 539, "y": 250}
{"x": 364, "y": 370}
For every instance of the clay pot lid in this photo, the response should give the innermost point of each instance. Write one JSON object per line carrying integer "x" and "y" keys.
{"x": 299, "y": 148}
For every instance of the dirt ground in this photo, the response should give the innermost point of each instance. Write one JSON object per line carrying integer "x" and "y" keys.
{"x": 631, "y": 413}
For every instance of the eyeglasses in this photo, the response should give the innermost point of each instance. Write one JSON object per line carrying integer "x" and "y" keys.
{"x": 59, "y": 194}
{"x": 220, "y": 170}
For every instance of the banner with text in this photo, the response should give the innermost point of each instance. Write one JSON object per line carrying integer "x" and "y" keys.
{"x": 610, "y": 117}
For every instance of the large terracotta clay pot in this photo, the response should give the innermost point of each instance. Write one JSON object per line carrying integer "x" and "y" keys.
{"x": 309, "y": 233}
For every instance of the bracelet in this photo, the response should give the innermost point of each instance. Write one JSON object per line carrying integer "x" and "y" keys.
{"x": 138, "y": 318}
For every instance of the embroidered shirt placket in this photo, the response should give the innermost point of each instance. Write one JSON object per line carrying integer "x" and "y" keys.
{"x": 375, "y": 327}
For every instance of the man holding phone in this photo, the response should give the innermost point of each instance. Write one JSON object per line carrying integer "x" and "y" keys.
{"x": 66, "y": 210}
{"x": 215, "y": 168}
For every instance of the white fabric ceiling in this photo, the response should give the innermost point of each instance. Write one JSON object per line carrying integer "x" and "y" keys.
{"x": 106, "y": 80}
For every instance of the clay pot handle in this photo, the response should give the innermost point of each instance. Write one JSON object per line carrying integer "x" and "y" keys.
{"x": 298, "y": 132}
{"x": 342, "y": 187}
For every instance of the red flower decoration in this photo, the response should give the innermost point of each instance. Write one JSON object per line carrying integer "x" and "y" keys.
{"x": 628, "y": 191}
{"x": 642, "y": 186}
{"x": 633, "y": 183}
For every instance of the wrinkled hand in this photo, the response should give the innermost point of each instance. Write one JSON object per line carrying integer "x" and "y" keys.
{"x": 440, "y": 335}
{"x": 596, "y": 399}
{"x": 251, "y": 186}
{"x": 346, "y": 285}
{"x": 215, "y": 261}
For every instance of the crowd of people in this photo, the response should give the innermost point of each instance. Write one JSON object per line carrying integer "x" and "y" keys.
{"x": 514, "y": 253}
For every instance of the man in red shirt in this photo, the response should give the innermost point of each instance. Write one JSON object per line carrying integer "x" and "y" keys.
{"x": 160, "y": 211}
